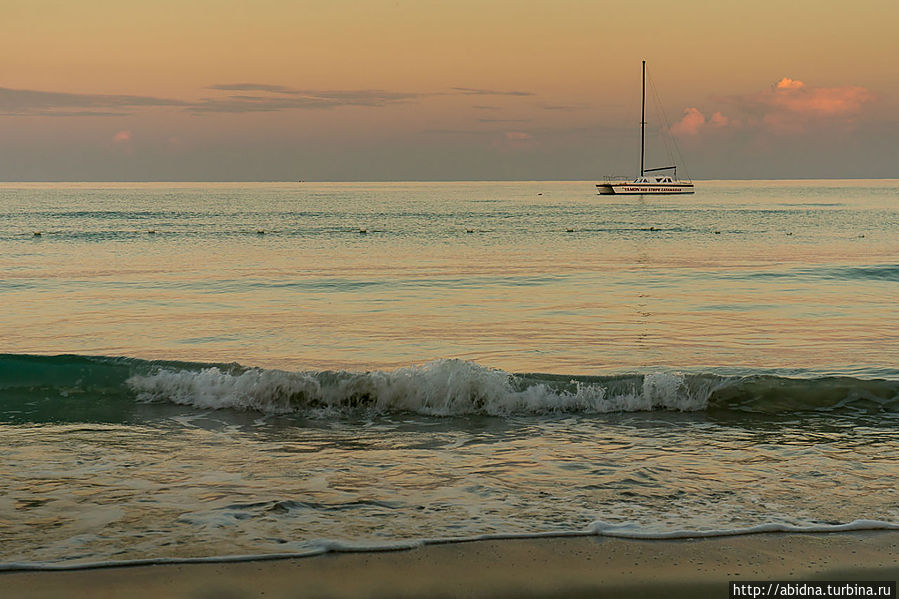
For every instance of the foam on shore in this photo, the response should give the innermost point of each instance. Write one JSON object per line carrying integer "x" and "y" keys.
{"x": 596, "y": 529}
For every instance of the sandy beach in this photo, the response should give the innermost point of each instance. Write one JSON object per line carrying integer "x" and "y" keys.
{"x": 566, "y": 567}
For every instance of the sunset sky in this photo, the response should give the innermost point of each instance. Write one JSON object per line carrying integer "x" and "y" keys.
{"x": 444, "y": 90}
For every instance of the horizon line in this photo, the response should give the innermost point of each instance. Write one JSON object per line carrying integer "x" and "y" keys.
{"x": 303, "y": 181}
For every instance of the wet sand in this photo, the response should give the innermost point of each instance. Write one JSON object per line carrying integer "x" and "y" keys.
{"x": 563, "y": 567}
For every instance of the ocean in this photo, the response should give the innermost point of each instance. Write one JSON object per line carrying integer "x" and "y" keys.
{"x": 196, "y": 371}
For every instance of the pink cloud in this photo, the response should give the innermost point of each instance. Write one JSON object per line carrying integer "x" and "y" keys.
{"x": 719, "y": 120}
{"x": 694, "y": 122}
{"x": 791, "y": 106}
{"x": 122, "y": 137}
{"x": 820, "y": 101}
{"x": 517, "y": 135}
{"x": 514, "y": 140}
{"x": 690, "y": 124}
{"x": 787, "y": 83}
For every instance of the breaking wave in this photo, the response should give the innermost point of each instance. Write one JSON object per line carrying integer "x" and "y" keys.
{"x": 37, "y": 388}
{"x": 439, "y": 388}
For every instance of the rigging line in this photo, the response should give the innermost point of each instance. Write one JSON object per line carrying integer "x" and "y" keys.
{"x": 664, "y": 125}
{"x": 680, "y": 157}
{"x": 667, "y": 137}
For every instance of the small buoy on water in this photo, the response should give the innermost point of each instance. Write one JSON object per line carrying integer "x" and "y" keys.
{"x": 717, "y": 232}
{"x": 363, "y": 231}
{"x": 37, "y": 233}
{"x": 260, "y": 231}
{"x": 469, "y": 230}
{"x": 539, "y": 194}
{"x": 652, "y": 228}
{"x": 861, "y": 235}
{"x": 789, "y": 232}
{"x": 151, "y": 231}
{"x": 569, "y": 230}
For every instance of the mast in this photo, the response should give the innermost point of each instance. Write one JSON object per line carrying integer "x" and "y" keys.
{"x": 643, "y": 119}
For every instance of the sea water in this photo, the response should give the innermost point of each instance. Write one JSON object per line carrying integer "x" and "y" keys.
{"x": 209, "y": 370}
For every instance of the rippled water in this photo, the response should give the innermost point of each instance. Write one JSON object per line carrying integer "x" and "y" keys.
{"x": 318, "y": 363}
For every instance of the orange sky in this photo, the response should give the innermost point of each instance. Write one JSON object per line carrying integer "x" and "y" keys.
{"x": 481, "y": 87}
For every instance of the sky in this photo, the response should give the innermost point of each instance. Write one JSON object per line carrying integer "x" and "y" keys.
{"x": 373, "y": 90}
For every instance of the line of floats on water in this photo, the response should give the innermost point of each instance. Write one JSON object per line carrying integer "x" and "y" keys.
{"x": 366, "y": 231}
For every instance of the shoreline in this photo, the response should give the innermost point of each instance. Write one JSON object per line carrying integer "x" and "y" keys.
{"x": 591, "y": 566}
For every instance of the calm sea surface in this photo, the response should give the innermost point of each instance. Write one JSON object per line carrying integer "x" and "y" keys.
{"x": 200, "y": 370}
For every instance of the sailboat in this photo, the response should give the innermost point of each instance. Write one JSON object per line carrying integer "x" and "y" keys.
{"x": 645, "y": 183}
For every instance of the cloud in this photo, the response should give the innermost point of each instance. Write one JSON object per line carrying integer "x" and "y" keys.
{"x": 256, "y": 87}
{"x": 70, "y": 113}
{"x": 514, "y": 141}
{"x": 787, "y": 83}
{"x": 823, "y": 102}
{"x": 690, "y": 124}
{"x": 348, "y": 95}
{"x": 694, "y": 122}
{"x": 463, "y": 132}
{"x": 472, "y": 91}
{"x": 26, "y": 102}
{"x": 488, "y": 120}
{"x": 563, "y": 107}
{"x": 121, "y": 141}
{"x": 247, "y": 98}
{"x": 289, "y": 99}
{"x": 719, "y": 120}
{"x": 789, "y": 106}
{"x": 285, "y": 98}
{"x": 243, "y": 104}
{"x": 501, "y": 139}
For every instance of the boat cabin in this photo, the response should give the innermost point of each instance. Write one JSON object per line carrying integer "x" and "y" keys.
{"x": 653, "y": 180}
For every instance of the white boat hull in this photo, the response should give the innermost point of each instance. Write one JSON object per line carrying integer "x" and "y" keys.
{"x": 643, "y": 188}
{"x": 646, "y": 184}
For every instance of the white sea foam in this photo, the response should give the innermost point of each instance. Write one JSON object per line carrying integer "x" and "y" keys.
{"x": 598, "y": 528}
{"x": 440, "y": 388}
{"x": 632, "y": 531}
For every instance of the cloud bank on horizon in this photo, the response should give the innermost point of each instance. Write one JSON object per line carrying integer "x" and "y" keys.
{"x": 789, "y": 106}
{"x": 444, "y": 134}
